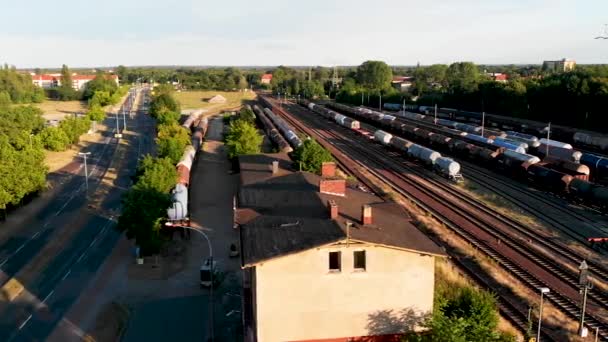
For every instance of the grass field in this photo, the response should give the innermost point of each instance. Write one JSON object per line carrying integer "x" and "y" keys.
{"x": 198, "y": 99}
{"x": 50, "y": 107}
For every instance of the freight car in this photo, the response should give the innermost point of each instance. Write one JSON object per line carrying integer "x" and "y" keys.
{"x": 192, "y": 118}
{"x": 284, "y": 129}
{"x": 200, "y": 130}
{"x": 272, "y": 132}
{"x": 179, "y": 207}
{"x": 598, "y": 166}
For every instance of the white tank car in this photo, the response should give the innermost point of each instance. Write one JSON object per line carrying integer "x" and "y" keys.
{"x": 447, "y": 166}
{"x": 555, "y": 143}
{"x": 383, "y": 137}
{"x": 179, "y": 206}
{"x": 522, "y": 157}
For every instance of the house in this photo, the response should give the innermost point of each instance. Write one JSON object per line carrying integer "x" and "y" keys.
{"x": 498, "y": 77}
{"x": 78, "y": 81}
{"x": 559, "y": 66}
{"x": 402, "y": 83}
{"x": 266, "y": 78}
{"x": 326, "y": 261}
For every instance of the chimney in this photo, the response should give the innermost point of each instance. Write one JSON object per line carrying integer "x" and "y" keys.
{"x": 275, "y": 167}
{"x": 335, "y": 187}
{"x": 333, "y": 209}
{"x": 328, "y": 169}
{"x": 366, "y": 214}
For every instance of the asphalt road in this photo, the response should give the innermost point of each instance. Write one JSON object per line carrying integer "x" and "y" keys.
{"x": 85, "y": 237}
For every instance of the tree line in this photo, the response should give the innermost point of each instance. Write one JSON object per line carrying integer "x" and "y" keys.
{"x": 145, "y": 204}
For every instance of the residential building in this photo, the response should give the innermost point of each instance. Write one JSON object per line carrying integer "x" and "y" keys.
{"x": 327, "y": 261}
{"x": 266, "y": 78}
{"x": 498, "y": 77}
{"x": 559, "y": 66}
{"x": 402, "y": 83}
{"x": 54, "y": 80}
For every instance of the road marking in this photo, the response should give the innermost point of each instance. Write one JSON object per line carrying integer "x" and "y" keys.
{"x": 67, "y": 274}
{"x": 25, "y": 322}
{"x": 4, "y": 262}
{"x": 82, "y": 256}
{"x": 20, "y": 248}
{"x": 48, "y": 296}
{"x": 35, "y": 235}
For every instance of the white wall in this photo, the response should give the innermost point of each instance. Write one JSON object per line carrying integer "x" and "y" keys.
{"x": 299, "y": 299}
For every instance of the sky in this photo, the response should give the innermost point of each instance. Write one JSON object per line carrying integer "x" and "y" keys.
{"x": 90, "y": 33}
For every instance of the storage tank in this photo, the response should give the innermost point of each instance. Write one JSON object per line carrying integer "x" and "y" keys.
{"x": 179, "y": 207}
{"x": 425, "y": 154}
{"x": 400, "y": 143}
{"x": 555, "y": 143}
{"x": 383, "y": 137}
{"x": 447, "y": 166}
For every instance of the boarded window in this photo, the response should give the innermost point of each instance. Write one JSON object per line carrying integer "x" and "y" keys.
{"x": 335, "y": 261}
{"x": 359, "y": 259}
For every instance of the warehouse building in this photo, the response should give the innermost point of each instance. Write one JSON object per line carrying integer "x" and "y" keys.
{"x": 326, "y": 261}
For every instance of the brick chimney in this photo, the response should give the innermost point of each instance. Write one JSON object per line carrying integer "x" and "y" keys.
{"x": 328, "y": 169}
{"x": 333, "y": 209}
{"x": 366, "y": 214}
{"x": 275, "y": 167}
{"x": 335, "y": 187}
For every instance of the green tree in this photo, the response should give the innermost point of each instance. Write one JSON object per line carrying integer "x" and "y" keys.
{"x": 162, "y": 103}
{"x": 65, "y": 92}
{"x": 175, "y": 131}
{"x": 374, "y": 75}
{"x": 101, "y": 83}
{"x": 170, "y": 148}
{"x": 242, "y": 138}
{"x": 74, "y": 128}
{"x": 96, "y": 113}
{"x": 462, "y": 77}
{"x": 5, "y": 99}
{"x": 167, "y": 117}
{"x": 54, "y": 139}
{"x": 310, "y": 156}
{"x": 156, "y": 173}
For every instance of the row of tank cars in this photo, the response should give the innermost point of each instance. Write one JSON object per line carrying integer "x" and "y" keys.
{"x": 561, "y": 172}
{"x": 280, "y": 124}
{"x": 272, "y": 132}
{"x": 597, "y": 162}
{"x": 178, "y": 211}
{"x": 444, "y": 166}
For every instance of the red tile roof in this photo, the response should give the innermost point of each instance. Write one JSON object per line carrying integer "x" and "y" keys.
{"x": 267, "y": 77}
{"x": 44, "y": 77}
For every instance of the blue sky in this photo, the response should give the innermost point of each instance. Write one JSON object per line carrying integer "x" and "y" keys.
{"x": 311, "y": 32}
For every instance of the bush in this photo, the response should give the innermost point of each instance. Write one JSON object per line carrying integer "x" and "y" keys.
{"x": 310, "y": 156}
{"x": 170, "y": 148}
{"x": 75, "y": 127}
{"x": 167, "y": 117}
{"x": 54, "y": 139}
{"x": 96, "y": 113}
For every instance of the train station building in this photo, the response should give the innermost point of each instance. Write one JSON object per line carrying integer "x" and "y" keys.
{"x": 324, "y": 260}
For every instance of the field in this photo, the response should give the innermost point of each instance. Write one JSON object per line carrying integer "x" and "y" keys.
{"x": 54, "y": 110}
{"x": 198, "y": 99}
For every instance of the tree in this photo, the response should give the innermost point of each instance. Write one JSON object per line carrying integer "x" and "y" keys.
{"x": 74, "y": 128}
{"x": 65, "y": 92}
{"x": 175, "y": 131}
{"x": 102, "y": 83}
{"x": 243, "y": 138}
{"x": 5, "y": 99}
{"x": 374, "y": 75}
{"x": 19, "y": 86}
{"x": 121, "y": 71}
{"x": 310, "y": 156}
{"x": 96, "y": 113}
{"x": 462, "y": 77}
{"x": 54, "y": 139}
{"x": 247, "y": 115}
{"x": 163, "y": 102}
{"x": 156, "y": 173}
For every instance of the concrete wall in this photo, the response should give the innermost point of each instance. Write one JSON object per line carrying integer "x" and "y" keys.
{"x": 298, "y": 298}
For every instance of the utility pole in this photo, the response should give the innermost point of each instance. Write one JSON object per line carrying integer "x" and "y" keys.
{"x": 380, "y": 104}
{"x": 542, "y": 290}
{"x": 435, "y": 121}
{"x": 86, "y": 171}
{"x": 547, "y": 144}
{"x": 483, "y": 121}
{"x": 585, "y": 283}
{"x": 124, "y": 120}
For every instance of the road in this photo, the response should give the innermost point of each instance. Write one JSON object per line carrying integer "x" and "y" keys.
{"x": 58, "y": 249}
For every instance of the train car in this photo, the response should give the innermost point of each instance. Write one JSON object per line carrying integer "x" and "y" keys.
{"x": 392, "y": 106}
{"x": 529, "y": 142}
{"x": 499, "y": 142}
{"x": 422, "y": 133}
{"x": 593, "y": 140}
{"x": 410, "y": 107}
{"x": 512, "y": 161}
{"x": 192, "y": 118}
{"x": 547, "y": 178}
{"x": 400, "y": 143}
{"x": 424, "y": 154}
{"x": 522, "y": 135}
{"x": 179, "y": 203}
{"x": 448, "y": 168}
{"x": 490, "y": 133}
{"x": 413, "y": 116}
{"x": 555, "y": 143}
{"x": 562, "y": 153}
{"x": 284, "y": 129}
{"x": 598, "y": 166}
{"x": 383, "y": 137}
{"x": 439, "y": 139}
{"x": 576, "y": 170}
{"x": 478, "y": 138}
{"x": 590, "y": 193}
{"x": 446, "y": 123}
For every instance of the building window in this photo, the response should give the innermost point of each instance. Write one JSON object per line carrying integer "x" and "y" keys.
{"x": 359, "y": 260}
{"x": 335, "y": 261}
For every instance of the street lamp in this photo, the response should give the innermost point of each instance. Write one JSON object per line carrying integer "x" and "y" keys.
{"x": 586, "y": 285}
{"x": 86, "y": 171}
{"x": 200, "y": 231}
{"x": 543, "y": 291}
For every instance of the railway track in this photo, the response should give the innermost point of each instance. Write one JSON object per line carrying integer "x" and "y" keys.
{"x": 470, "y": 226}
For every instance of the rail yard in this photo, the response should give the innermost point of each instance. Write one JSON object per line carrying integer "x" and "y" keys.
{"x": 537, "y": 258}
